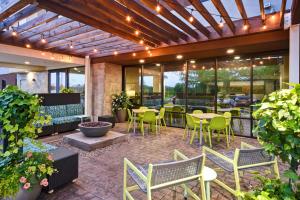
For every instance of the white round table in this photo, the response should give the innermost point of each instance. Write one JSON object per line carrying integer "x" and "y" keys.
{"x": 208, "y": 175}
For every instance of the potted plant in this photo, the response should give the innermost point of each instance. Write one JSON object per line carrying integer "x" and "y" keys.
{"x": 21, "y": 173}
{"x": 278, "y": 130}
{"x": 66, "y": 90}
{"x": 120, "y": 102}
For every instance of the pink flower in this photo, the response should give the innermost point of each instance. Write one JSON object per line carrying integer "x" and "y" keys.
{"x": 26, "y": 186}
{"x": 29, "y": 154}
{"x": 23, "y": 179}
{"x": 44, "y": 182}
{"x": 50, "y": 157}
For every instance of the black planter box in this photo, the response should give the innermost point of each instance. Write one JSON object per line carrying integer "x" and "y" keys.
{"x": 108, "y": 118}
{"x": 59, "y": 99}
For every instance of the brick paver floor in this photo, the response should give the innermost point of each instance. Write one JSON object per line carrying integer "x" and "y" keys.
{"x": 101, "y": 171}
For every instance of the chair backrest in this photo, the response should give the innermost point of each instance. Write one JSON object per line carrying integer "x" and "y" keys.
{"x": 149, "y": 116}
{"x": 177, "y": 109}
{"x": 162, "y": 112}
{"x": 197, "y": 112}
{"x": 218, "y": 123}
{"x": 129, "y": 113}
{"x": 253, "y": 156}
{"x": 190, "y": 121}
{"x": 177, "y": 171}
{"x": 236, "y": 112}
{"x": 227, "y": 115}
{"x": 143, "y": 107}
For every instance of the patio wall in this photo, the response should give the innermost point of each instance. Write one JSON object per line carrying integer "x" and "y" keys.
{"x": 106, "y": 81}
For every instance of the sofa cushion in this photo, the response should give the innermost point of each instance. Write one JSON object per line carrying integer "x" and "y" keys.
{"x": 74, "y": 109}
{"x": 66, "y": 119}
{"x": 57, "y": 111}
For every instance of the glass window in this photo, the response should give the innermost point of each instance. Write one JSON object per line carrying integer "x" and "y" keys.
{"x": 133, "y": 84}
{"x": 152, "y": 86}
{"x": 201, "y": 86}
{"x": 62, "y": 80}
{"x": 77, "y": 80}
{"x": 53, "y": 82}
{"x": 234, "y": 88}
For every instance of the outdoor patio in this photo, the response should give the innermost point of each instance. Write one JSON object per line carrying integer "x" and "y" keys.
{"x": 106, "y": 180}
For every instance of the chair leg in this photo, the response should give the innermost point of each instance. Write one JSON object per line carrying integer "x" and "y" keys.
{"x": 237, "y": 182}
{"x": 129, "y": 125}
{"x": 142, "y": 128}
{"x": 209, "y": 137}
{"x": 193, "y": 136}
{"x": 218, "y": 138}
{"x": 203, "y": 190}
{"x": 231, "y": 130}
{"x": 125, "y": 181}
{"x": 227, "y": 137}
{"x": 185, "y": 133}
{"x": 164, "y": 122}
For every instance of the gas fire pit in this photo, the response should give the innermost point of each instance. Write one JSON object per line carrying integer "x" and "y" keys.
{"x": 95, "y": 129}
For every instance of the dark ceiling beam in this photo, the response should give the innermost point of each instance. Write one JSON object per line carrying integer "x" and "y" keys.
{"x": 262, "y": 11}
{"x": 242, "y": 11}
{"x": 12, "y": 7}
{"x": 118, "y": 21}
{"x": 282, "y": 11}
{"x": 295, "y": 10}
{"x": 112, "y": 14}
{"x": 142, "y": 11}
{"x": 207, "y": 16}
{"x": 27, "y": 11}
{"x": 88, "y": 20}
{"x": 175, "y": 5}
{"x": 219, "y": 6}
{"x": 122, "y": 10}
{"x": 172, "y": 18}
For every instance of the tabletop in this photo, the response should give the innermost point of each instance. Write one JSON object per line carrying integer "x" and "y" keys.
{"x": 205, "y": 115}
{"x": 143, "y": 110}
{"x": 209, "y": 174}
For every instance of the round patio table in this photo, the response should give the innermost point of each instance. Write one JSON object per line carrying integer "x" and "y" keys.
{"x": 140, "y": 111}
{"x": 208, "y": 175}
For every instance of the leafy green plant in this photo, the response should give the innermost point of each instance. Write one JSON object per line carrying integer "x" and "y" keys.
{"x": 20, "y": 118}
{"x": 120, "y": 101}
{"x": 66, "y": 90}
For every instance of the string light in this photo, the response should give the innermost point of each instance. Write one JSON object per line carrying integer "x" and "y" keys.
{"x": 14, "y": 33}
{"x": 141, "y": 42}
{"x": 158, "y": 7}
{"x": 115, "y": 53}
{"x": 221, "y": 24}
{"x": 136, "y": 32}
{"x": 27, "y": 45}
{"x": 146, "y": 48}
{"x": 133, "y": 54}
{"x": 95, "y": 50}
{"x": 71, "y": 45}
{"x": 43, "y": 40}
{"x": 191, "y": 18}
{"x": 245, "y": 27}
{"x": 128, "y": 18}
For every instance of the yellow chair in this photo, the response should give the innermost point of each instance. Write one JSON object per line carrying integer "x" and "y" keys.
{"x": 240, "y": 160}
{"x": 218, "y": 124}
{"x": 161, "y": 117}
{"x": 227, "y": 115}
{"x": 153, "y": 177}
{"x": 150, "y": 118}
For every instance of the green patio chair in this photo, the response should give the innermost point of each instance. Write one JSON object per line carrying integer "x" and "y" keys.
{"x": 177, "y": 113}
{"x": 194, "y": 127}
{"x": 240, "y": 160}
{"x": 227, "y": 115}
{"x": 218, "y": 124}
{"x": 236, "y": 112}
{"x": 161, "y": 117}
{"x": 143, "y": 108}
{"x": 150, "y": 118}
{"x": 204, "y": 122}
{"x": 153, "y": 177}
{"x": 131, "y": 119}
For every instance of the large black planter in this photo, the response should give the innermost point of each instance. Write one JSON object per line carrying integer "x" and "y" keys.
{"x": 95, "y": 129}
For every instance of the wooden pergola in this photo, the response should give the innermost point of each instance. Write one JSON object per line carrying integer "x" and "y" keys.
{"x": 103, "y": 29}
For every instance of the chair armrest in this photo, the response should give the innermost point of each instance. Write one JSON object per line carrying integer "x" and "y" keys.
{"x": 245, "y": 145}
{"x": 206, "y": 149}
{"x": 180, "y": 155}
{"x": 129, "y": 164}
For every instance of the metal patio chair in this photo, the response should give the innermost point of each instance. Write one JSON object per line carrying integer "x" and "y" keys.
{"x": 246, "y": 158}
{"x": 153, "y": 177}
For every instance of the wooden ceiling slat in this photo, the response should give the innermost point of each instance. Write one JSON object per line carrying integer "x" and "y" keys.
{"x": 81, "y": 7}
{"x": 295, "y": 10}
{"x": 242, "y": 11}
{"x": 110, "y": 51}
{"x": 87, "y": 20}
{"x": 175, "y": 5}
{"x": 262, "y": 11}
{"x": 219, "y": 6}
{"x": 139, "y": 9}
{"x": 110, "y": 13}
{"x": 118, "y": 20}
{"x": 119, "y": 8}
{"x": 172, "y": 18}
{"x": 207, "y": 16}
{"x": 12, "y": 7}
{"x": 282, "y": 11}
{"x": 29, "y": 10}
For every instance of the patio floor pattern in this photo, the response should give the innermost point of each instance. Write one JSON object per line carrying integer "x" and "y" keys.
{"x": 101, "y": 171}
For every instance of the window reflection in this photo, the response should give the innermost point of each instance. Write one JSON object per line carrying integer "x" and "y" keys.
{"x": 152, "y": 86}
{"x": 133, "y": 84}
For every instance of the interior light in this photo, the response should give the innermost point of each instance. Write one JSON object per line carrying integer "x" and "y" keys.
{"x": 230, "y": 51}
{"x": 261, "y": 62}
{"x": 27, "y": 62}
{"x": 193, "y": 61}
{"x": 237, "y": 57}
{"x": 157, "y": 64}
{"x": 179, "y": 57}
{"x": 141, "y": 60}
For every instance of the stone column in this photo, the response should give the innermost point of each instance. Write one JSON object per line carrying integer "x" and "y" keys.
{"x": 294, "y": 71}
{"x": 88, "y": 86}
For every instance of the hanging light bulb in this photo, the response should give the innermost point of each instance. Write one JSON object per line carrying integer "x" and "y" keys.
{"x": 221, "y": 24}
{"x": 137, "y": 32}
{"x": 128, "y": 18}
{"x": 43, "y": 40}
{"x": 141, "y": 42}
{"x": 245, "y": 27}
{"x": 95, "y": 50}
{"x": 27, "y": 45}
{"x": 146, "y": 48}
{"x": 71, "y": 45}
{"x": 158, "y": 7}
{"x": 14, "y": 33}
{"x": 115, "y": 53}
{"x": 191, "y": 18}
{"x": 133, "y": 54}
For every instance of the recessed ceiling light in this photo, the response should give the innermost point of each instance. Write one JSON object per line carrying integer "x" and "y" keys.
{"x": 261, "y": 62}
{"x": 43, "y": 53}
{"x": 133, "y": 54}
{"x": 141, "y": 60}
{"x": 157, "y": 64}
{"x": 27, "y": 45}
{"x": 237, "y": 57}
{"x": 179, "y": 57}
{"x": 27, "y": 62}
{"x": 193, "y": 61}
{"x": 230, "y": 51}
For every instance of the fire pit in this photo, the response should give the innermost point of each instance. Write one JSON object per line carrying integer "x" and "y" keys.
{"x": 95, "y": 129}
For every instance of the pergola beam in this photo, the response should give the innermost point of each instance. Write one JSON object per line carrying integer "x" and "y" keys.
{"x": 175, "y": 5}
{"x": 29, "y": 10}
{"x": 207, "y": 16}
{"x": 172, "y": 18}
{"x": 88, "y": 20}
{"x": 295, "y": 10}
{"x": 219, "y": 6}
{"x": 262, "y": 11}
{"x": 242, "y": 11}
{"x": 12, "y": 7}
{"x": 282, "y": 11}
